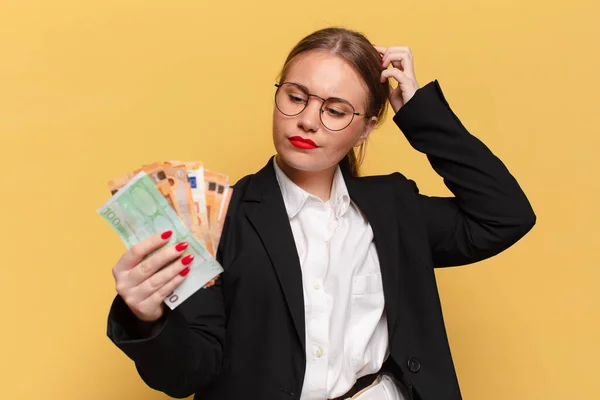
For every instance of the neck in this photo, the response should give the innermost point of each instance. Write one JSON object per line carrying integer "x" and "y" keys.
{"x": 317, "y": 183}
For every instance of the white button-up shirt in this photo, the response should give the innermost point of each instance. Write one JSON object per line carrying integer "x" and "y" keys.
{"x": 346, "y": 326}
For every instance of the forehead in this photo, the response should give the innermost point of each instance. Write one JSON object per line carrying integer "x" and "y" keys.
{"x": 327, "y": 75}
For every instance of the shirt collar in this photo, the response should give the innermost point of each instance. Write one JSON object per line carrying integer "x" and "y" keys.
{"x": 295, "y": 197}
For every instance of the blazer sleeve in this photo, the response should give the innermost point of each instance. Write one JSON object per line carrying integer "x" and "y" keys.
{"x": 185, "y": 352}
{"x": 489, "y": 212}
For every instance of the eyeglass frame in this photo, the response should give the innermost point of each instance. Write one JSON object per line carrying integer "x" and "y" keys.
{"x": 309, "y": 95}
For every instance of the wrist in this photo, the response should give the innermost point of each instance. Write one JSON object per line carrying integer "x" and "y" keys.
{"x": 148, "y": 329}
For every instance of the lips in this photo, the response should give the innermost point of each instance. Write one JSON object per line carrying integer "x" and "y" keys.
{"x": 302, "y": 143}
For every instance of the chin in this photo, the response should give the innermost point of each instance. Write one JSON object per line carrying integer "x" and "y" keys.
{"x": 304, "y": 161}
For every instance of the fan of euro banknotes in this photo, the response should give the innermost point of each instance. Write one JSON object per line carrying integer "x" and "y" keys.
{"x": 183, "y": 197}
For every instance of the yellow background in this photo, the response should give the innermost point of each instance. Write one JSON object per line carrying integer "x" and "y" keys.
{"x": 92, "y": 89}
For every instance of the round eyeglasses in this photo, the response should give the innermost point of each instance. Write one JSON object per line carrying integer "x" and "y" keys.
{"x": 336, "y": 114}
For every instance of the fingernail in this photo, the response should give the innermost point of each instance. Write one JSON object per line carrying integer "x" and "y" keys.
{"x": 166, "y": 234}
{"x": 187, "y": 259}
{"x": 185, "y": 271}
{"x": 181, "y": 246}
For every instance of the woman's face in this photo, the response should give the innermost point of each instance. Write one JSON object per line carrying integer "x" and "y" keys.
{"x": 324, "y": 75}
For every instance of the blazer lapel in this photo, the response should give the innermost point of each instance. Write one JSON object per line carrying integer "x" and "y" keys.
{"x": 376, "y": 200}
{"x": 270, "y": 219}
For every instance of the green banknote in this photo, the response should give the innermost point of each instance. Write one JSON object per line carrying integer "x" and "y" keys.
{"x": 138, "y": 211}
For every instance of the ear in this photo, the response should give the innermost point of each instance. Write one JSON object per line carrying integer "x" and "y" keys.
{"x": 367, "y": 129}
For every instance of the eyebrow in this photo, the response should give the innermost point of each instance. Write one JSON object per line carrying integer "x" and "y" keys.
{"x": 308, "y": 91}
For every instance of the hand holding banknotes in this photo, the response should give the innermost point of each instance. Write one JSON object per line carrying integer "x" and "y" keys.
{"x": 175, "y": 203}
{"x": 142, "y": 281}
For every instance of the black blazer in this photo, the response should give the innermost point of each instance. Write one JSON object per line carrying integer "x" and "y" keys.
{"x": 244, "y": 337}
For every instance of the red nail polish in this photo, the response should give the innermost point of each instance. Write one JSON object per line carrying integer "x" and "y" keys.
{"x": 166, "y": 234}
{"x": 181, "y": 246}
{"x": 185, "y": 271}
{"x": 187, "y": 259}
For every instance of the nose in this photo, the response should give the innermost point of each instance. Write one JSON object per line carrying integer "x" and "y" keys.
{"x": 309, "y": 118}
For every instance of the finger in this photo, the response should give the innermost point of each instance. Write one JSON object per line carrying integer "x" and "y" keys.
{"x": 398, "y": 55}
{"x": 394, "y": 49}
{"x": 154, "y": 300}
{"x": 403, "y": 63}
{"x": 137, "y": 252}
{"x": 406, "y": 61}
{"x": 395, "y": 73}
{"x": 380, "y": 49}
{"x": 386, "y": 50}
{"x": 150, "y": 265}
{"x": 180, "y": 267}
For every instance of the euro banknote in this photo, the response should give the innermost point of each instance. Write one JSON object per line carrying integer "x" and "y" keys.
{"x": 139, "y": 210}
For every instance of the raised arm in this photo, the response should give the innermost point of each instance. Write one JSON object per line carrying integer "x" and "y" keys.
{"x": 489, "y": 212}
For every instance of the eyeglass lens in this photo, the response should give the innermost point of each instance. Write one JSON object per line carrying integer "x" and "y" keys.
{"x": 291, "y": 100}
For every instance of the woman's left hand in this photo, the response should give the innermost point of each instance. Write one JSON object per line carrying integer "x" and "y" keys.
{"x": 400, "y": 57}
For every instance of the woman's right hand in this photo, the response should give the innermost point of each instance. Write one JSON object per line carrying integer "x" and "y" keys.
{"x": 143, "y": 283}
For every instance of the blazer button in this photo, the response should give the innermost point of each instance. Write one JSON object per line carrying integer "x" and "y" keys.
{"x": 414, "y": 365}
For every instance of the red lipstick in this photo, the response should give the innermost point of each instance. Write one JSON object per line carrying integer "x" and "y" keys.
{"x": 302, "y": 143}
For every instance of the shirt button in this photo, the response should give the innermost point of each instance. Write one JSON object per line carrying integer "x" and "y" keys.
{"x": 317, "y": 286}
{"x": 320, "y": 352}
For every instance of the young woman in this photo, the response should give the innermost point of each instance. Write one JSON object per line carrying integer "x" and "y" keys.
{"x": 328, "y": 290}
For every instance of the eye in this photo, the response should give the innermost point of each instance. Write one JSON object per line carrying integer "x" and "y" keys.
{"x": 335, "y": 112}
{"x": 296, "y": 99}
